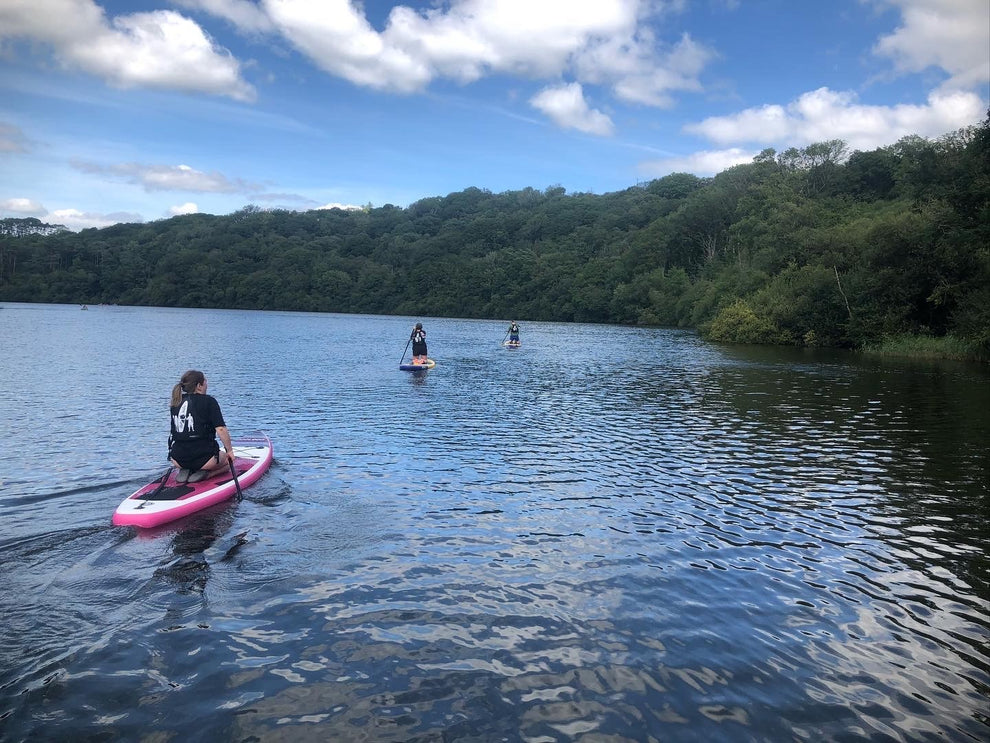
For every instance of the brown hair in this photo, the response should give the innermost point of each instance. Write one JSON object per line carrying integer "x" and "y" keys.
{"x": 188, "y": 384}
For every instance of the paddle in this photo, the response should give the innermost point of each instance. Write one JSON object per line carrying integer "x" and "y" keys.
{"x": 506, "y": 335}
{"x": 157, "y": 490}
{"x": 162, "y": 483}
{"x": 406, "y": 348}
{"x": 233, "y": 473}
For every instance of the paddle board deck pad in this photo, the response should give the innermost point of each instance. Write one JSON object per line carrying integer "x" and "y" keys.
{"x": 430, "y": 363}
{"x": 166, "y": 499}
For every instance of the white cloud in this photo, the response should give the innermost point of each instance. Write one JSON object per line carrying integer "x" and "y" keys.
{"x": 593, "y": 42}
{"x": 73, "y": 219}
{"x": 953, "y": 35}
{"x": 168, "y": 177}
{"x": 244, "y": 14}
{"x": 345, "y": 207}
{"x": 338, "y": 38}
{"x": 638, "y": 73}
{"x": 824, "y": 114}
{"x": 565, "y": 105}
{"x": 187, "y": 208}
{"x": 609, "y": 44}
{"x": 707, "y": 162}
{"x": 536, "y": 39}
{"x": 26, "y": 207}
{"x": 160, "y": 49}
{"x": 57, "y": 22}
{"x": 770, "y": 123}
{"x": 76, "y": 220}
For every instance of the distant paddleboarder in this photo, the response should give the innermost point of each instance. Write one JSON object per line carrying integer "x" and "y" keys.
{"x": 418, "y": 338}
{"x": 514, "y": 332}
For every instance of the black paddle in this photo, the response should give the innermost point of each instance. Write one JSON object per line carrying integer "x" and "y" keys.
{"x": 233, "y": 473}
{"x": 406, "y": 348}
{"x": 506, "y": 335}
{"x": 161, "y": 485}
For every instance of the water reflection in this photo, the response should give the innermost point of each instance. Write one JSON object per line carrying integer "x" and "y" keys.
{"x": 193, "y": 540}
{"x": 679, "y": 542}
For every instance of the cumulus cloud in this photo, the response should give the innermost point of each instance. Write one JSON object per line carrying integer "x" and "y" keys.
{"x": 77, "y": 220}
{"x": 609, "y": 44}
{"x": 639, "y": 72}
{"x": 244, "y": 14}
{"x": 168, "y": 177}
{"x": 565, "y": 105}
{"x": 953, "y": 35}
{"x": 536, "y": 39}
{"x": 337, "y": 37}
{"x": 707, "y": 162}
{"x": 345, "y": 207}
{"x": 187, "y": 208}
{"x": 823, "y": 114}
{"x": 72, "y": 219}
{"x": 159, "y": 49}
{"x": 23, "y": 207}
{"x": 596, "y": 43}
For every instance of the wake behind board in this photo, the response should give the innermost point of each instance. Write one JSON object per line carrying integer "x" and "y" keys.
{"x": 430, "y": 363}
{"x": 166, "y": 499}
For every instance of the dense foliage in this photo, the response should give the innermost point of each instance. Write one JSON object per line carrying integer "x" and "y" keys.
{"x": 809, "y": 246}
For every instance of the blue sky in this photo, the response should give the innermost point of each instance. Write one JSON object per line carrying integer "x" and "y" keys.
{"x": 119, "y": 111}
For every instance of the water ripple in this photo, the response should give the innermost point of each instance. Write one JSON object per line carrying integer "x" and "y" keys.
{"x": 677, "y": 542}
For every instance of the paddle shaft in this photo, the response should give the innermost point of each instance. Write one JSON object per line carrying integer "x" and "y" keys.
{"x": 233, "y": 473}
{"x": 405, "y": 349}
{"x": 162, "y": 483}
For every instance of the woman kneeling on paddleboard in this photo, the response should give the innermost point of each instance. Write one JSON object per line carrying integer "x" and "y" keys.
{"x": 196, "y": 422}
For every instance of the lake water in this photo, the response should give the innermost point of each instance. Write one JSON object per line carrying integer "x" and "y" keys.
{"x": 609, "y": 534}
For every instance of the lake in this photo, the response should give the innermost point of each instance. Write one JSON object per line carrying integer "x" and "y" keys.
{"x": 608, "y": 534}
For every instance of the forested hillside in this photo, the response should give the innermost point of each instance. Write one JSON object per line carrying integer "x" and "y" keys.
{"x": 814, "y": 246}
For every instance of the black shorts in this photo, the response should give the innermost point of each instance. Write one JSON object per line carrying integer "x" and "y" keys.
{"x": 192, "y": 455}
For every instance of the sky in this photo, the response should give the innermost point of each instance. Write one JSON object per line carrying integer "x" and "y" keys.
{"x": 133, "y": 111}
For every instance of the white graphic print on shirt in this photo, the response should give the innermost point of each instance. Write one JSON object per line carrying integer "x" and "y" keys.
{"x": 183, "y": 420}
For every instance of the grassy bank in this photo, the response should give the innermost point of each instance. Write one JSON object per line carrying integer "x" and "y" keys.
{"x": 927, "y": 347}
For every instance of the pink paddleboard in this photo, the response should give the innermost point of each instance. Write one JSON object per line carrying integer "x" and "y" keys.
{"x": 166, "y": 499}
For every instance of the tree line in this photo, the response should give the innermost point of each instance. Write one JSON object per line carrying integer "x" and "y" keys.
{"x": 814, "y": 246}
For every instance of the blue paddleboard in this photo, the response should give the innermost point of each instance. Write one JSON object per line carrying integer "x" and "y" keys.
{"x": 430, "y": 363}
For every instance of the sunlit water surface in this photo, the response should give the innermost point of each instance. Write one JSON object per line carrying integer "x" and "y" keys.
{"x": 609, "y": 534}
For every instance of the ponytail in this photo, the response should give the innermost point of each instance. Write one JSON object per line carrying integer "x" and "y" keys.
{"x": 187, "y": 385}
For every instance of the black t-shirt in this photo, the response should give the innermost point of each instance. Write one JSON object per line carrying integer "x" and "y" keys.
{"x": 196, "y": 418}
